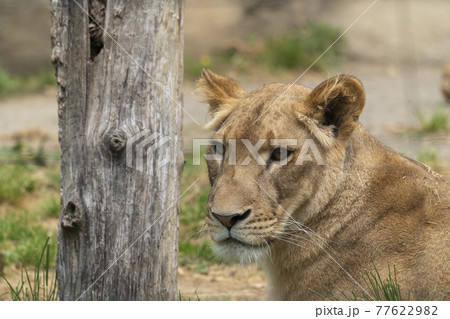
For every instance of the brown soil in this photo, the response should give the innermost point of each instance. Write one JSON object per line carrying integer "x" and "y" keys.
{"x": 221, "y": 283}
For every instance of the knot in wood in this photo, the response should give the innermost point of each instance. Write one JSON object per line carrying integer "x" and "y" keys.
{"x": 71, "y": 217}
{"x": 117, "y": 141}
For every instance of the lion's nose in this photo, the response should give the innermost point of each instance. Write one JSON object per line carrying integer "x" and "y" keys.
{"x": 230, "y": 220}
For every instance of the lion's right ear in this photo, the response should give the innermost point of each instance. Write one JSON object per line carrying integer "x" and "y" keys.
{"x": 220, "y": 93}
{"x": 332, "y": 109}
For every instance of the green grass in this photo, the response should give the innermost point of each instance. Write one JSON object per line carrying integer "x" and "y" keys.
{"x": 15, "y": 182}
{"x": 380, "y": 289}
{"x": 193, "y": 67}
{"x": 438, "y": 122}
{"x": 181, "y": 297}
{"x": 14, "y": 85}
{"x": 21, "y": 233}
{"x": 196, "y": 256}
{"x": 430, "y": 157}
{"x": 300, "y": 48}
{"x": 387, "y": 289}
{"x": 53, "y": 177}
{"x": 290, "y": 50}
{"x": 193, "y": 204}
{"x": 23, "y": 186}
{"x": 50, "y": 207}
{"x": 194, "y": 246}
{"x": 383, "y": 290}
{"x": 27, "y": 155}
{"x": 17, "y": 167}
{"x": 40, "y": 285}
{"x": 233, "y": 58}
{"x": 193, "y": 212}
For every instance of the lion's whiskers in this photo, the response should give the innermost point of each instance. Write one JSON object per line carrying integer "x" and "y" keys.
{"x": 315, "y": 239}
{"x": 283, "y": 235}
{"x": 198, "y": 233}
{"x": 290, "y": 242}
{"x": 304, "y": 228}
{"x": 267, "y": 251}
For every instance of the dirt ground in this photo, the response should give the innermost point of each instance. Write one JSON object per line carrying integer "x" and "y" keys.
{"x": 223, "y": 283}
{"x": 220, "y": 283}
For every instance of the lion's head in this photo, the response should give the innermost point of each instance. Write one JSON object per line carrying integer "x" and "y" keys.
{"x": 275, "y": 157}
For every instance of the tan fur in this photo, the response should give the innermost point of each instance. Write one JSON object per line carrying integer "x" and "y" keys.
{"x": 445, "y": 84}
{"x": 220, "y": 93}
{"x": 317, "y": 227}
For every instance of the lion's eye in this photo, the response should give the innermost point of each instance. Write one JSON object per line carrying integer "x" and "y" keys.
{"x": 280, "y": 154}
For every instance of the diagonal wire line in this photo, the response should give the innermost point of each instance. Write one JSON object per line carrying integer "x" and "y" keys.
{"x": 318, "y": 58}
{"x": 135, "y": 61}
{"x": 136, "y": 240}
{"x": 321, "y": 247}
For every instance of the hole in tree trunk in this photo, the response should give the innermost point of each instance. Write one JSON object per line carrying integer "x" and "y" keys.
{"x": 96, "y": 23}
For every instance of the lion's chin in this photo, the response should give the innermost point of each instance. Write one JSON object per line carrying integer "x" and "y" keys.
{"x": 232, "y": 250}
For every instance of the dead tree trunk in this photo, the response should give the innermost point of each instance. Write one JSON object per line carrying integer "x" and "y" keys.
{"x": 119, "y": 71}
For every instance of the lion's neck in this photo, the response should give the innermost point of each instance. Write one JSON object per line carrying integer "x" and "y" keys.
{"x": 364, "y": 158}
{"x": 338, "y": 201}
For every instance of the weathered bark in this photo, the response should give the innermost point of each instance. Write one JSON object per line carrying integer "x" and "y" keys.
{"x": 105, "y": 98}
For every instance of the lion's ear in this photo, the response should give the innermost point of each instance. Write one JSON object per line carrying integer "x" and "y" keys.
{"x": 336, "y": 105}
{"x": 220, "y": 93}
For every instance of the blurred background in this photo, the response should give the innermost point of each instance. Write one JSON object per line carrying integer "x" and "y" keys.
{"x": 399, "y": 49}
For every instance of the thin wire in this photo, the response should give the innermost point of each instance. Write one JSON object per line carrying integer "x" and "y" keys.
{"x": 137, "y": 239}
{"x": 315, "y": 61}
{"x": 320, "y": 247}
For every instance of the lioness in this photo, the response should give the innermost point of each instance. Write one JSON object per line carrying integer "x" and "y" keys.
{"x": 352, "y": 204}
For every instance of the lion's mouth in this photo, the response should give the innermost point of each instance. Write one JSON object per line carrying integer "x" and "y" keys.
{"x": 237, "y": 243}
{"x": 233, "y": 249}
